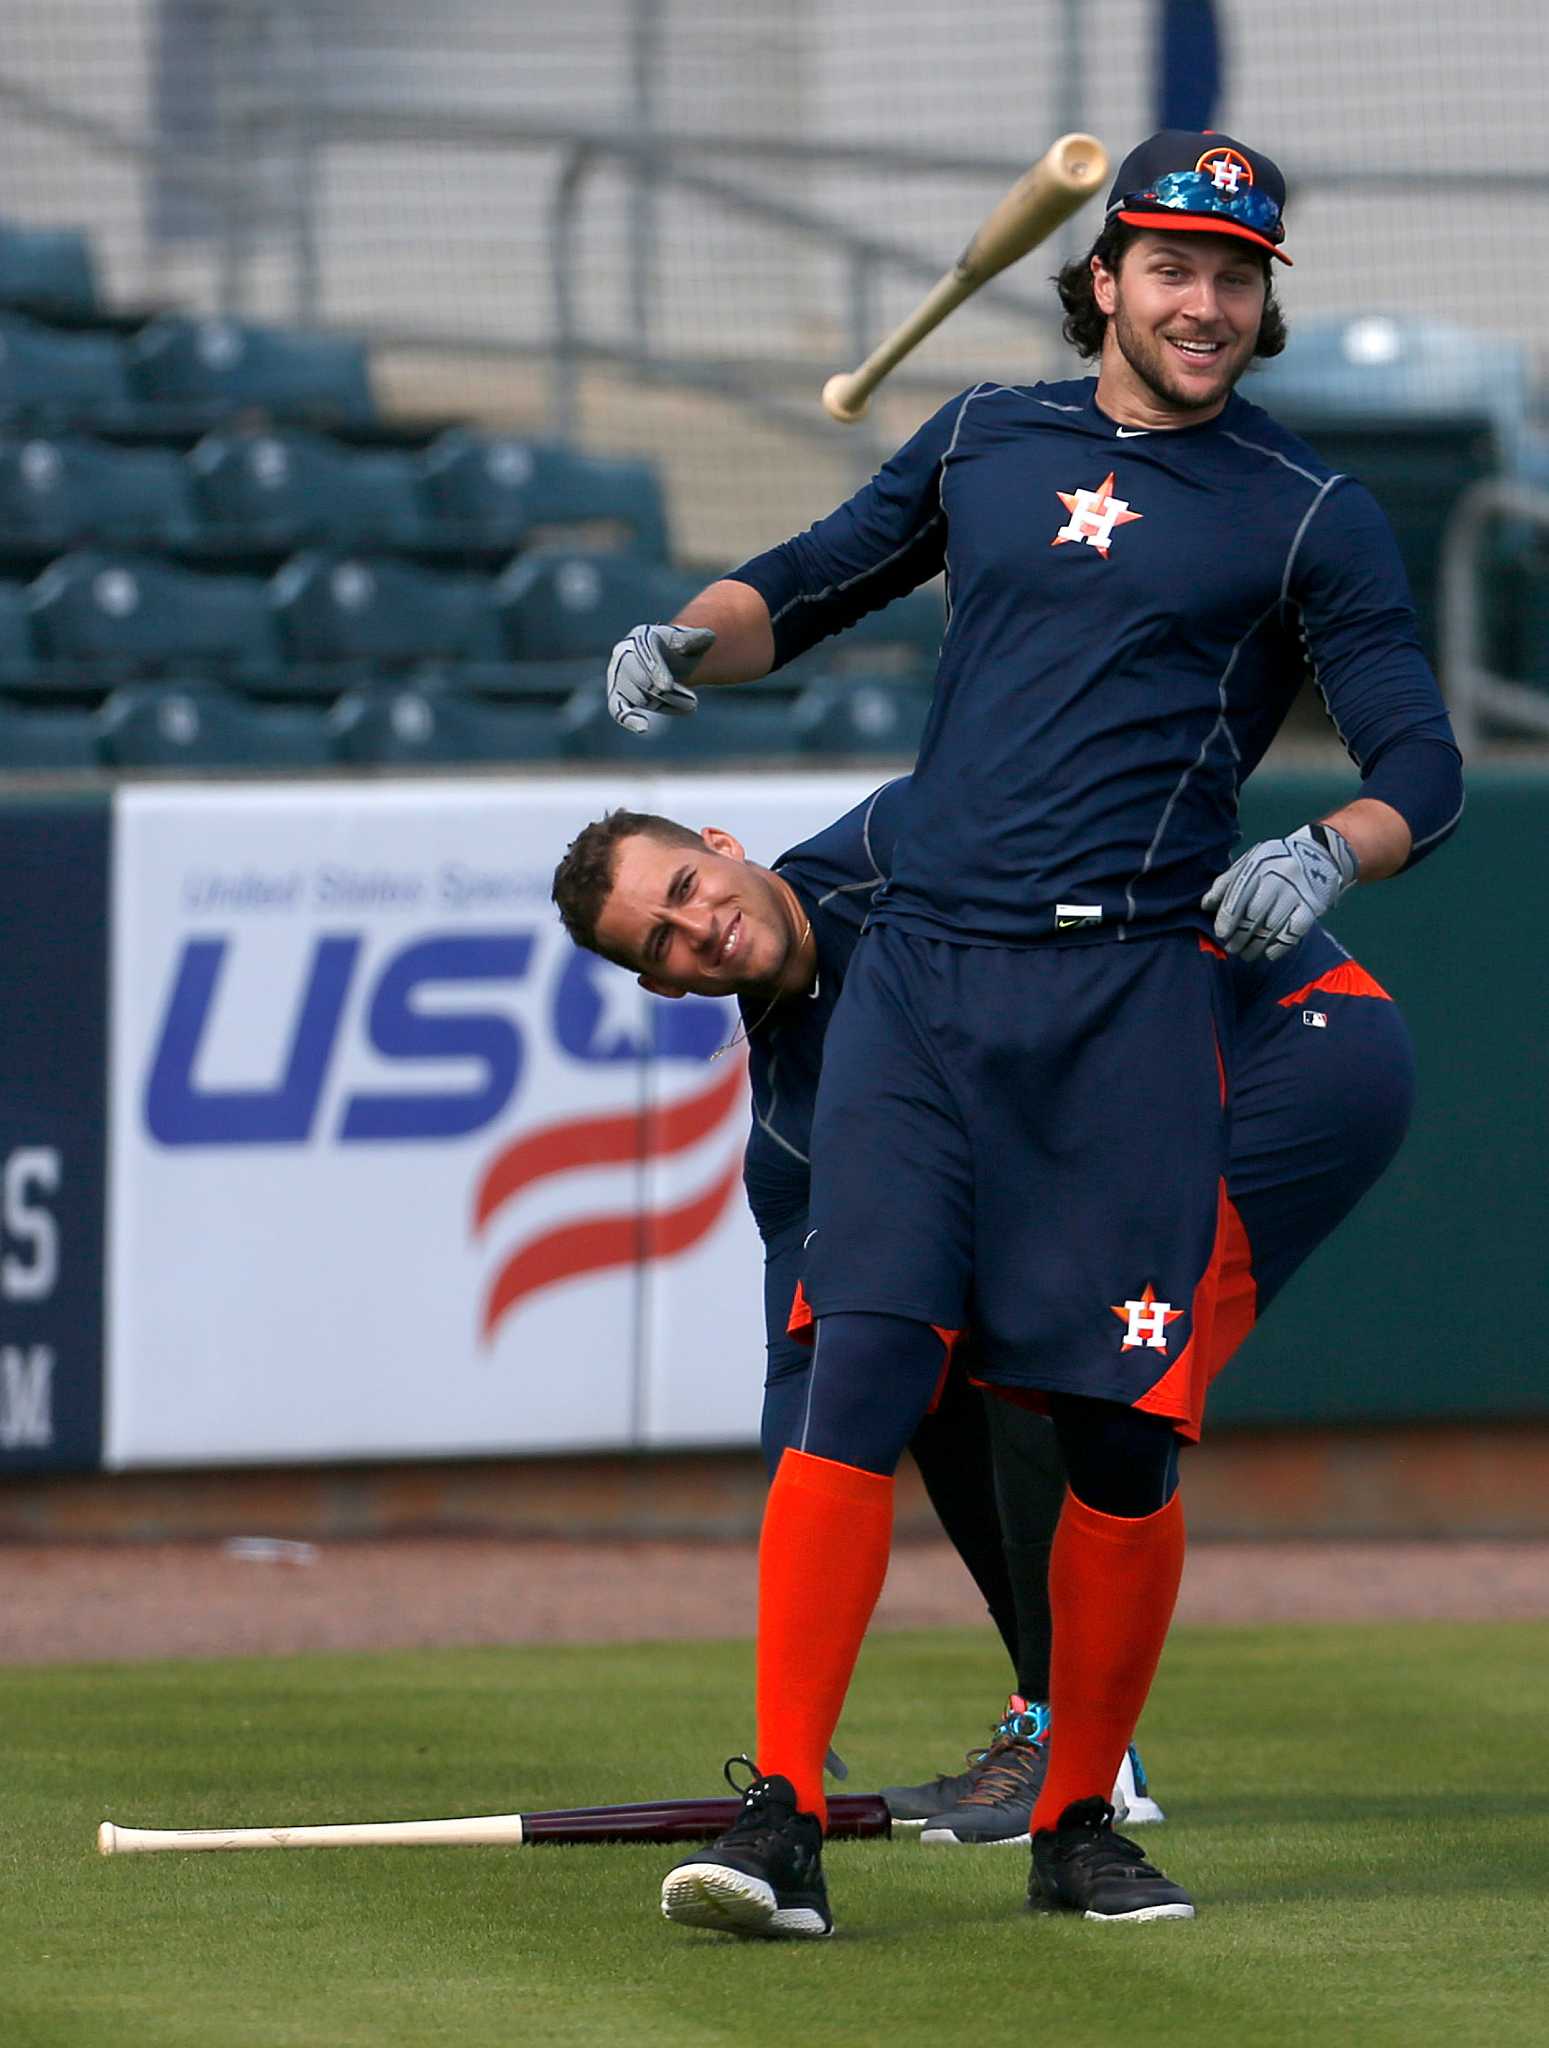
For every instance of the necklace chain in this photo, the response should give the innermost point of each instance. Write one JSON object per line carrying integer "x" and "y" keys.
{"x": 744, "y": 1032}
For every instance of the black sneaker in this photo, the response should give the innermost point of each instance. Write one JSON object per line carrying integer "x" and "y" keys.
{"x": 911, "y": 1806}
{"x": 763, "y": 1876}
{"x": 1083, "y": 1867}
{"x": 1003, "y": 1787}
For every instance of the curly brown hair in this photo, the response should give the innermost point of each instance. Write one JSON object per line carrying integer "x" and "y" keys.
{"x": 583, "y": 880}
{"x": 1085, "y": 323}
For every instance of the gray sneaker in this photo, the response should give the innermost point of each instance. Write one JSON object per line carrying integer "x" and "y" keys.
{"x": 1004, "y": 1786}
{"x": 911, "y": 1806}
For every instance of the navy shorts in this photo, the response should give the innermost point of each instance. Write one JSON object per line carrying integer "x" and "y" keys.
{"x": 1032, "y": 1141}
{"x": 1322, "y": 1091}
{"x": 1323, "y": 1087}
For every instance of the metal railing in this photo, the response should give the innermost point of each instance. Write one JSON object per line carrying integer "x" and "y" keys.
{"x": 286, "y": 120}
{"x": 251, "y": 223}
{"x": 254, "y": 217}
{"x": 1475, "y": 692}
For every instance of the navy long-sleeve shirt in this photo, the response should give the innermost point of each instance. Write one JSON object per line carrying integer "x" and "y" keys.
{"x": 838, "y": 874}
{"x": 1130, "y": 614}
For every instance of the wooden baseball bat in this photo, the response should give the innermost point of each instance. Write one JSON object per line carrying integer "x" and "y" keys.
{"x": 857, "y": 1816}
{"x": 1037, "y": 203}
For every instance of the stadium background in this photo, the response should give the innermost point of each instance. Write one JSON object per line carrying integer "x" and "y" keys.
{"x": 645, "y": 231}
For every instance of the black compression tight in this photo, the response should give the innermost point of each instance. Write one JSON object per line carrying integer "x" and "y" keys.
{"x": 1118, "y": 1460}
{"x": 873, "y": 1378}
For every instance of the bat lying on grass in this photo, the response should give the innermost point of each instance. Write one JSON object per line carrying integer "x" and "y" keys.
{"x": 858, "y": 1816}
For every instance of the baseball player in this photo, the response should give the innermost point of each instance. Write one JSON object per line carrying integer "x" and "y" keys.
{"x": 1022, "y": 1120}
{"x": 1322, "y": 1090}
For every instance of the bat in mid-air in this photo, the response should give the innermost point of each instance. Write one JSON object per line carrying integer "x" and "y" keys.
{"x": 1039, "y": 202}
{"x": 856, "y": 1815}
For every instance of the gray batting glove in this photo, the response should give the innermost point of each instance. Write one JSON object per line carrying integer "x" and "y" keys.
{"x": 1271, "y": 897}
{"x": 647, "y": 670}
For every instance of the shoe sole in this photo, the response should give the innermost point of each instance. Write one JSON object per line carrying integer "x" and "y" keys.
{"x": 710, "y": 1895}
{"x": 1138, "y": 1813}
{"x": 915, "y": 1820}
{"x": 1179, "y": 1912}
{"x": 943, "y": 1838}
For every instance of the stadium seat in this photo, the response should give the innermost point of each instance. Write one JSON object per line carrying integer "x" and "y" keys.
{"x": 338, "y": 617}
{"x": 497, "y": 492}
{"x": 100, "y": 618}
{"x": 276, "y": 493}
{"x": 50, "y": 379}
{"x": 18, "y": 656}
{"x": 409, "y": 725}
{"x": 211, "y": 368}
{"x": 55, "y": 738}
{"x": 1389, "y": 367}
{"x": 752, "y": 723}
{"x": 862, "y": 717}
{"x": 564, "y": 605}
{"x": 47, "y": 270}
{"x": 56, "y": 494}
{"x": 168, "y": 727}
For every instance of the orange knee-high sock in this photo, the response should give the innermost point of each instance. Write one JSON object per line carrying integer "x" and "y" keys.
{"x": 822, "y": 1558}
{"x": 1113, "y": 1584}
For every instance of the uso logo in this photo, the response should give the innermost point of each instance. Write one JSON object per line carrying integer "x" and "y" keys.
{"x": 594, "y": 1015}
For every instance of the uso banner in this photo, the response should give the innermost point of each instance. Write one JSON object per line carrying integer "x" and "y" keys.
{"x": 396, "y": 1170}
{"x": 53, "y": 1049}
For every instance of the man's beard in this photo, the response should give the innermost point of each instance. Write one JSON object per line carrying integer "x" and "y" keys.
{"x": 1152, "y": 373}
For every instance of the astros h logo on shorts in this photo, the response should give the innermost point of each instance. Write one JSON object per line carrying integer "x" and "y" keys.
{"x": 1145, "y": 1321}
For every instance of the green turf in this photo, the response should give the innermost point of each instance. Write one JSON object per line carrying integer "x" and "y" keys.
{"x": 1361, "y": 1813}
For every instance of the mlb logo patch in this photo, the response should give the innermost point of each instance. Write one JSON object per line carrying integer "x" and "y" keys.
{"x": 1318, "y": 1019}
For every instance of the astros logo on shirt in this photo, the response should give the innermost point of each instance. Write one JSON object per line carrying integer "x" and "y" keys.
{"x": 1093, "y": 516}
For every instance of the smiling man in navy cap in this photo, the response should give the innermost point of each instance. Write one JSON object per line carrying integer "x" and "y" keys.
{"x": 1176, "y": 297}
{"x": 1023, "y": 1119}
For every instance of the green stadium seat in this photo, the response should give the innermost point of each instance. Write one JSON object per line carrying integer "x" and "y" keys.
{"x": 58, "y": 494}
{"x": 169, "y": 727}
{"x": 277, "y": 493}
{"x": 352, "y": 619}
{"x": 55, "y": 738}
{"x": 18, "y": 655}
{"x": 47, "y": 270}
{"x": 1396, "y": 367}
{"x": 408, "y": 726}
{"x": 212, "y": 368}
{"x": 498, "y": 492}
{"x": 550, "y": 682}
{"x": 563, "y": 604}
{"x": 50, "y": 379}
{"x": 881, "y": 717}
{"x": 100, "y": 619}
{"x": 752, "y": 723}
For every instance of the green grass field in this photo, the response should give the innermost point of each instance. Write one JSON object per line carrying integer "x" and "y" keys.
{"x": 1362, "y": 1814}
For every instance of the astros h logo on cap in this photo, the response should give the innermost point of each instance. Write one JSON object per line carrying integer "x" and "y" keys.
{"x": 1198, "y": 182}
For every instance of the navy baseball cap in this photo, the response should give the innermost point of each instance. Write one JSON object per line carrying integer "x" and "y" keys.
{"x": 1198, "y": 181}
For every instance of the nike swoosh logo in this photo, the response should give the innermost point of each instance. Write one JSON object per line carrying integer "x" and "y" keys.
{"x": 1131, "y": 433}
